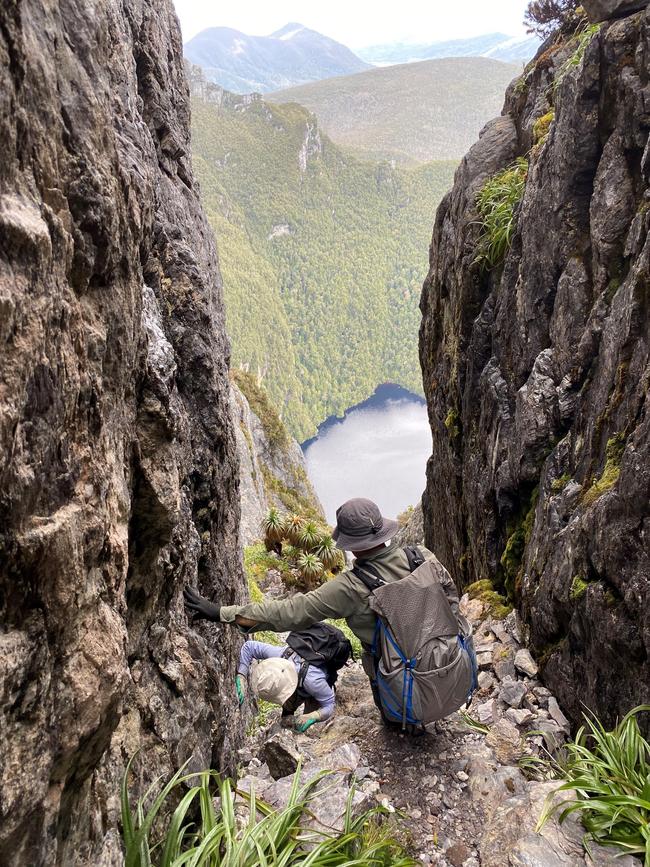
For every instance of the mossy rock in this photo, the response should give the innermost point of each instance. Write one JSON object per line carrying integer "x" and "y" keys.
{"x": 452, "y": 423}
{"x": 542, "y": 126}
{"x": 484, "y": 591}
{"x": 560, "y": 483}
{"x": 611, "y": 472}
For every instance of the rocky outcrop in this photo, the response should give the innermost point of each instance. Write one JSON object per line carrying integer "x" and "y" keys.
{"x": 118, "y": 475}
{"x": 537, "y": 372}
{"x": 273, "y": 470}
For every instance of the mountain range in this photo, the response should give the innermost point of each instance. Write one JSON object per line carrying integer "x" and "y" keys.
{"x": 498, "y": 46}
{"x": 322, "y": 254}
{"x": 411, "y": 112}
{"x": 292, "y": 55}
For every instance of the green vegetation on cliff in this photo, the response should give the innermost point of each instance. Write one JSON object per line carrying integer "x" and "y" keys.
{"x": 322, "y": 255}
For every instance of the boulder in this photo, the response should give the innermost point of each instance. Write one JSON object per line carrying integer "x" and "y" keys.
{"x": 281, "y": 755}
{"x": 525, "y": 663}
{"x": 602, "y": 10}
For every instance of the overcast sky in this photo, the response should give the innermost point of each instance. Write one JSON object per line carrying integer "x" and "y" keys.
{"x": 358, "y": 24}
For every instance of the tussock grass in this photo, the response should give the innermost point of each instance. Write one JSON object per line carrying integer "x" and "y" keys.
{"x": 608, "y": 774}
{"x": 497, "y": 204}
{"x": 181, "y": 826}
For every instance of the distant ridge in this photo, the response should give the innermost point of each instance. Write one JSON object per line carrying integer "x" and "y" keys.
{"x": 499, "y": 46}
{"x": 292, "y": 55}
{"x": 413, "y": 112}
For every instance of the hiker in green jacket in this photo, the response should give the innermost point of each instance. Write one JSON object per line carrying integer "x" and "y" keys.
{"x": 361, "y": 529}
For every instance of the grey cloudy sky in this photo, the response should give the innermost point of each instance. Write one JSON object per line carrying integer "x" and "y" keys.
{"x": 358, "y": 23}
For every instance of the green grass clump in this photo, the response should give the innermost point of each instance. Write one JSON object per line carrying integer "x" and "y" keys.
{"x": 608, "y": 773}
{"x": 496, "y": 603}
{"x": 182, "y": 826}
{"x": 613, "y": 454}
{"x": 497, "y": 202}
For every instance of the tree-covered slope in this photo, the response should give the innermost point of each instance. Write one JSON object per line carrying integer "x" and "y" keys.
{"x": 322, "y": 254}
{"x": 412, "y": 112}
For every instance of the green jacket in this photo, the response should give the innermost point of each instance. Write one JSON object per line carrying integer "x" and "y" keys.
{"x": 344, "y": 596}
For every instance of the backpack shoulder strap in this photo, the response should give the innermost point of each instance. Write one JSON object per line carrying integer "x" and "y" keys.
{"x": 368, "y": 574}
{"x": 414, "y": 556}
{"x": 302, "y": 674}
{"x": 286, "y": 653}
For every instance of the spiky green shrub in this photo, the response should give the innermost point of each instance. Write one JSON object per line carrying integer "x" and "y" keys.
{"x": 311, "y": 568}
{"x": 293, "y": 528}
{"x": 273, "y": 526}
{"x": 327, "y": 552}
{"x": 608, "y": 773}
{"x": 309, "y": 536}
{"x": 181, "y": 826}
{"x": 497, "y": 202}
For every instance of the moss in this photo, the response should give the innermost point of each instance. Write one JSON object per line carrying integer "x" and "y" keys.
{"x": 485, "y": 592}
{"x": 542, "y": 126}
{"x": 560, "y": 483}
{"x": 548, "y": 650}
{"x": 452, "y": 423}
{"x": 263, "y": 408}
{"x": 578, "y": 587}
{"x": 613, "y": 454}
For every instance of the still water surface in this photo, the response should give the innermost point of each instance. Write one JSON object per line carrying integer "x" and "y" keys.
{"x": 378, "y": 450}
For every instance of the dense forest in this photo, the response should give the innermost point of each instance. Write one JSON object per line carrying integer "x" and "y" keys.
{"x": 322, "y": 254}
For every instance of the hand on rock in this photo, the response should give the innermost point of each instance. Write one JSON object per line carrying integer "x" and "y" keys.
{"x": 240, "y": 686}
{"x": 199, "y": 606}
{"x": 307, "y": 719}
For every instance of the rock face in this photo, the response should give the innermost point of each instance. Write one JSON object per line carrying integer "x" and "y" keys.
{"x": 118, "y": 474}
{"x": 537, "y": 372}
{"x": 272, "y": 466}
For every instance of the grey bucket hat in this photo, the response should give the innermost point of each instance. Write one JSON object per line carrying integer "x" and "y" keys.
{"x": 360, "y": 526}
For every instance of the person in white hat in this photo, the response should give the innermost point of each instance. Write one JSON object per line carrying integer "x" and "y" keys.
{"x": 275, "y": 679}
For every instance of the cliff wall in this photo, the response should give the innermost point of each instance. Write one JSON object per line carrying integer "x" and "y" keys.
{"x": 537, "y": 371}
{"x": 118, "y": 472}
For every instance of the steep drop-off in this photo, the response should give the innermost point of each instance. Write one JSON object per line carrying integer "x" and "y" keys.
{"x": 118, "y": 474}
{"x": 537, "y": 372}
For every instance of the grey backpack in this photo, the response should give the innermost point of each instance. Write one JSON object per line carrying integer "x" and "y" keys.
{"x": 425, "y": 666}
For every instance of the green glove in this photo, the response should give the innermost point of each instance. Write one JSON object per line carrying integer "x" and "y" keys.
{"x": 307, "y": 719}
{"x": 241, "y": 689}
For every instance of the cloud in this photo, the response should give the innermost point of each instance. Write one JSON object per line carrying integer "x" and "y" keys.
{"x": 361, "y": 23}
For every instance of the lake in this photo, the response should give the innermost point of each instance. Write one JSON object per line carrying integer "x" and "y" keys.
{"x": 379, "y": 450}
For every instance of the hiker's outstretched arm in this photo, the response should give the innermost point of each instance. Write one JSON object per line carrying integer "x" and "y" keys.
{"x": 255, "y": 650}
{"x": 335, "y": 599}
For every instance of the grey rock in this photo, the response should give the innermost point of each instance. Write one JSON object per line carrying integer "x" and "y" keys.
{"x": 601, "y": 10}
{"x": 505, "y": 739}
{"x": 557, "y": 715}
{"x": 525, "y": 663}
{"x": 512, "y": 692}
{"x": 281, "y": 755}
{"x": 544, "y": 359}
{"x": 519, "y": 717}
{"x": 117, "y": 450}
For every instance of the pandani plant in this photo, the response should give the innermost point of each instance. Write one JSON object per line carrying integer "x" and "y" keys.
{"x": 310, "y": 568}
{"x": 608, "y": 775}
{"x": 273, "y": 526}
{"x": 327, "y": 552}
{"x": 309, "y": 536}
{"x": 293, "y": 528}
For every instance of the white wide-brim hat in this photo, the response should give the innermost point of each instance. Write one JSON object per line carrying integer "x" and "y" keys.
{"x": 275, "y": 679}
